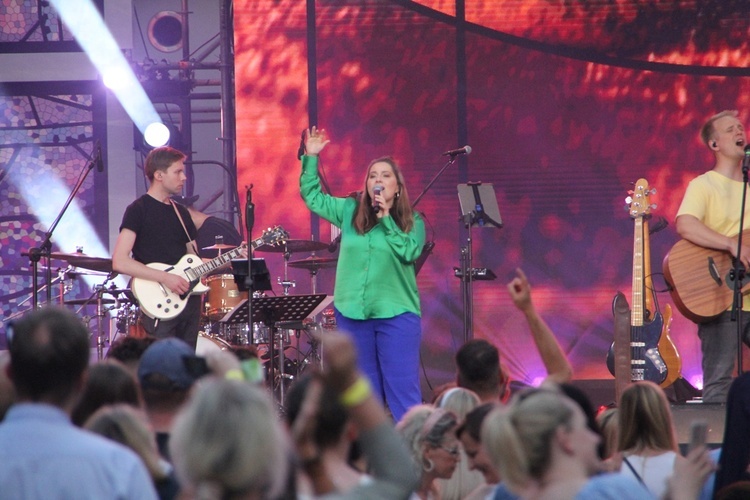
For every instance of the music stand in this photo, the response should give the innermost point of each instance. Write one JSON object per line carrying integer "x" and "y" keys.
{"x": 261, "y": 275}
{"x": 478, "y": 209}
{"x": 274, "y": 311}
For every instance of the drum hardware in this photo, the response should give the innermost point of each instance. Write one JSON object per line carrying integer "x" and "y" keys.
{"x": 314, "y": 264}
{"x": 207, "y": 342}
{"x": 80, "y": 259}
{"x": 287, "y": 248}
{"x": 271, "y": 311}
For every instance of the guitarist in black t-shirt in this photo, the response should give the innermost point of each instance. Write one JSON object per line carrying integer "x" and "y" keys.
{"x": 151, "y": 231}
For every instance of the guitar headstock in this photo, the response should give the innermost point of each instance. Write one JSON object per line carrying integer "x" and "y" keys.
{"x": 639, "y": 202}
{"x": 274, "y": 236}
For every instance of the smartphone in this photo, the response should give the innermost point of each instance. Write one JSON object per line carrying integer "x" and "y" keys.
{"x": 698, "y": 434}
{"x": 196, "y": 366}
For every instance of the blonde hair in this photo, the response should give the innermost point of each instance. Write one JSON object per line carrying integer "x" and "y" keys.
{"x": 425, "y": 425}
{"x": 126, "y": 425}
{"x": 228, "y": 439}
{"x": 708, "y": 130}
{"x": 608, "y": 424}
{"x": 518, "y": 437}
{"x": 458, "y": 400}
{"x": 645, "y": 419}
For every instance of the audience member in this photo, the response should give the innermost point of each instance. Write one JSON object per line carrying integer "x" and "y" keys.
{"x": 735, "y": 450}
{"x": 43, "y": 455}
{"x": 460, "y": 401}
{"x": 608, "y": 422}
{"x": 429, "y": 433}
{"x": 129, "y": 349}
{"x": 478, "y": 361}
{"x": 469, "y": 433}
{"x": 227, "y": 443}
{"x": 543, "y": 448}
{"x": 333, "y": 435}
{"x": 647, "y": 437}
{"x": 7, "y": 392}
{"x": 393, "y": 475}
{"x": 107, "y": 383}
{"x": 126, "y": 425}
{"x": 165, "y": 385}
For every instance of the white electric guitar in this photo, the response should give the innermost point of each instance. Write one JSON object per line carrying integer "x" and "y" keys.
{"x": 159, "y": 302}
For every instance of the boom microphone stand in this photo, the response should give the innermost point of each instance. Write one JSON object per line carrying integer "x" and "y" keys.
{"x": 738, "y": 273}
{"x": 44, "y": 250}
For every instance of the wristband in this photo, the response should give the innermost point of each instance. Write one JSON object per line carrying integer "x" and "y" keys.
{"x": 357, "y": 393}
{"x": 234, "y": 374}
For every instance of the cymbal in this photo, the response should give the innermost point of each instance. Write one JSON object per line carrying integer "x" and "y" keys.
{"x": 219, "y": 246}
{"x": 90, "y": 302}
{"x": 293, "y": 246}
{"x": 314, "y": 263}
{"x": 85, "y": 261}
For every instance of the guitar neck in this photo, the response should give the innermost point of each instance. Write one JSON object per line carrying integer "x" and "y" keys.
{"x": 220, "y": 261}
{"x": 638, "y": 299}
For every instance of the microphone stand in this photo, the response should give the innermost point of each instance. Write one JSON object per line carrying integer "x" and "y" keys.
{"x": 249, "y": 223}
{"x": 738, "y": 273}
{"x": 44, "y": 250}
{"x": 430, "y": 245}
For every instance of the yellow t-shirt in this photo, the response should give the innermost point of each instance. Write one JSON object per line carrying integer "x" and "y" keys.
{"x": 716, "y": 201}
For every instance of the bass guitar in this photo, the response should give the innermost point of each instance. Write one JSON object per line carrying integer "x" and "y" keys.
{"x": 701, "y": 279}
{"x": 159, "y": 302}
{"x": 646, "y": 362}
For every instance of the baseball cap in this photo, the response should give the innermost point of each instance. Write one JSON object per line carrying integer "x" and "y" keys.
{"x": 165, "y": 357}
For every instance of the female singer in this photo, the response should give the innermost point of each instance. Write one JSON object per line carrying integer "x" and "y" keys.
{"x": 375, "y": 296}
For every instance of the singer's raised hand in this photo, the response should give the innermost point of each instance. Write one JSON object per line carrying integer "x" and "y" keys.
{"x": 315, "y": 140}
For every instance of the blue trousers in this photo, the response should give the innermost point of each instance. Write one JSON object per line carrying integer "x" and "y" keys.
{"x": 388, "y": 353}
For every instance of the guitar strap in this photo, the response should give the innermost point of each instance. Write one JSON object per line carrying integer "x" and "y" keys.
{"x": 191, "y": 241}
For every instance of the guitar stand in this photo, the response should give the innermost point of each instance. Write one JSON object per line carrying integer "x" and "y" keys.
{"x": 277, "y": 313}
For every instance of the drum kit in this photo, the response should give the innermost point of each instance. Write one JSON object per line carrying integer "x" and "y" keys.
{"x": 286, "y": 349}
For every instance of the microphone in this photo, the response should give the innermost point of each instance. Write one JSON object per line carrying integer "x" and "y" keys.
{"x": 302, "y": 149}
{"x": 249, "y": 210}
{"x": 746, "y": 159}
{"x": 460, "y": 151}
{"x": 376, "y": 191}
{"x": 334, "y": 244}
{"x": 99, "y": 161}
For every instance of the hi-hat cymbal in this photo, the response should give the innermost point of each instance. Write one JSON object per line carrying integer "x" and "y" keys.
{"x": 219, "y": 246}
{"x": 294, "y": 246}
{"x": 314, "y": 263}
{"x": 102, "y": 264}
{"x": 90, "y": 302}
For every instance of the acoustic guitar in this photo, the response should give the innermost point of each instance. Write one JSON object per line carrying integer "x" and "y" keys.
{"x": 700, "y": 279}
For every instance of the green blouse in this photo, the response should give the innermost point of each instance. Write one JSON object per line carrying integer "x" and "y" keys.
{"x": 375, "y": 273}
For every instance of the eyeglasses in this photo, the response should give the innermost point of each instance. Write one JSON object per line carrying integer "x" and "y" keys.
{"x": 453, "y": 451}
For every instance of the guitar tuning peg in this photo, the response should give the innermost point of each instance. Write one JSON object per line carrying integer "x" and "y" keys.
{"x": 630, "y": 192}
{"x": 652, "y": 191}
{"x": 626, "y": 207}
{"x": 653, "y": 206}
{"x": 629, "y": 200}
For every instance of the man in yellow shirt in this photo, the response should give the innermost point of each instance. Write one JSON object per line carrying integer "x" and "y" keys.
{"x": 709, "y": 216}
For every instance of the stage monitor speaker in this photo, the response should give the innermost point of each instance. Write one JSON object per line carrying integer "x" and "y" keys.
{"x": 685, "y": 414}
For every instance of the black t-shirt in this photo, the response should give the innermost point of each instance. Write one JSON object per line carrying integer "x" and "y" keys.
{"x": 213, "y": 227}
{"x": 159, "y": 234}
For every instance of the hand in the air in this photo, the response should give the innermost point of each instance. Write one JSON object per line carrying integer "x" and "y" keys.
{"x": 315, "y": 140}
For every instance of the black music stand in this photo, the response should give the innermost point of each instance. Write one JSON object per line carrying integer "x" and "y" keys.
{"x": 478, "y": 209}
{"x": 282, "y": 311}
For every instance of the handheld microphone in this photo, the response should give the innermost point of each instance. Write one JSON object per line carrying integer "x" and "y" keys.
{"x": 460, "y": 151}
{"x": 98, "y": 160}
{"x": 249, "y": 210}
{"x": 302, "y": 149}
{"x": 376, "y": 191}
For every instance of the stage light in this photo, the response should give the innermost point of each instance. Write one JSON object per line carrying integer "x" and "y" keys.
{"x": 157, "y": 134}
{"x": 89, "y": 30}
{"x": 165, "y": 31}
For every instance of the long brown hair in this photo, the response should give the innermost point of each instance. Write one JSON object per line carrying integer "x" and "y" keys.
{"x": 365, "y": 218}
{"x": 645, "y": 419}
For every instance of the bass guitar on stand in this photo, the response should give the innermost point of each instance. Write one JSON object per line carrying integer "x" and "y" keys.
{"x": 649, "y": 332}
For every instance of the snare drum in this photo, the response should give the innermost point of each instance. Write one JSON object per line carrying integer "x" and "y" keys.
{"x": 236, "y": 334}
{"x": 223, "y": 296}
{"x": 207, "y": 343}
